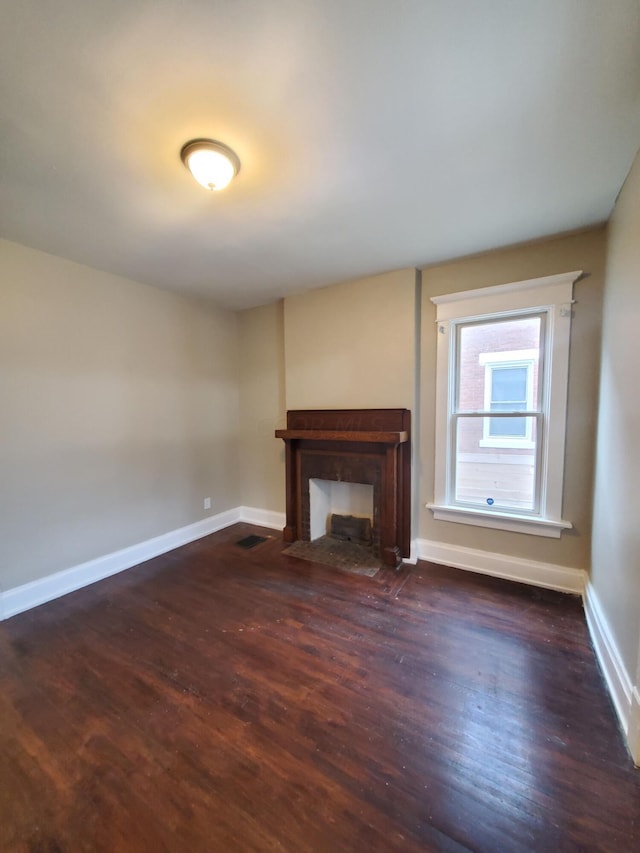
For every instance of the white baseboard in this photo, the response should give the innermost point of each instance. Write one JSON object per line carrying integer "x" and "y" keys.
{"x": 20, "y": 598}
{"x": 532, "y": 572}
{"x": 262, "y": 517}
{"x": 615, "y": 674}
{"x": 412, "y": 559}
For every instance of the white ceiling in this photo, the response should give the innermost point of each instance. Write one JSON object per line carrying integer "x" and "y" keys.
{"x": 373, "y": 134}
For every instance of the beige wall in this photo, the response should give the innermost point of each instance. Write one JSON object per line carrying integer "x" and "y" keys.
{"x": 119, "y": 410}
{"x": 616, "y": 517}
{"x": 352, "y": 345}
{"x": 584, "y": 251}
{"x": 124, "y": 405}
{"x": 262, "y": 406}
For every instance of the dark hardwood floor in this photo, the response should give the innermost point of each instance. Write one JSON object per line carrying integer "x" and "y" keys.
{"x": 217, "y": 699}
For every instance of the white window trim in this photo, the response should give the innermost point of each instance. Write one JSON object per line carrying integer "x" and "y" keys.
{"x": 513, "y": 358}
{"x": 554, "y": 296}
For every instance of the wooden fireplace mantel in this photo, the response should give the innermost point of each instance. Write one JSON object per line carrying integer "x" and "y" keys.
{"x": 370, "y": 446}
{"x": 398, "y": 437}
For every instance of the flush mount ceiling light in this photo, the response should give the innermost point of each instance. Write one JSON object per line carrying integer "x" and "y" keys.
{"x": 211, "y": 163}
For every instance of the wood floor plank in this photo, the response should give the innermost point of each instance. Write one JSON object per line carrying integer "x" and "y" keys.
{"x": 218, "y": 699}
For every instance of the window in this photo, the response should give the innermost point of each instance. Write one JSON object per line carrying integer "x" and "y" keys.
{"x": 501, "y": 390}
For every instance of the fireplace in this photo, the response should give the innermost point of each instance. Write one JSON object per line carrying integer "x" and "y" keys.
{"x": 335, "y": 499}
{"x": 368, "y": 446}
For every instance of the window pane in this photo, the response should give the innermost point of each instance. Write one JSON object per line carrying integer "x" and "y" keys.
{"x": 484, "y": 374}
{"x": 494, "y": 477}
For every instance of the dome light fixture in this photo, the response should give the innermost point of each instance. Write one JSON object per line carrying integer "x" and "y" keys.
{"x": 211, "y": 163}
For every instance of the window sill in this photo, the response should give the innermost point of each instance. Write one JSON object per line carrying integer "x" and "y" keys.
{"x": 500, "y": 520}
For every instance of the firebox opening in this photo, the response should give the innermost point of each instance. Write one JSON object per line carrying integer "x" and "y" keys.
{"x": 342, "y": 510}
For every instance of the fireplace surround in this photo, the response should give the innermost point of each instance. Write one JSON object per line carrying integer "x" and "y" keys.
{"x": 370, "y": 446}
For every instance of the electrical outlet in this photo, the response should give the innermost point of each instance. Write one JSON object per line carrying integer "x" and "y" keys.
{"x": 207, "y": 503}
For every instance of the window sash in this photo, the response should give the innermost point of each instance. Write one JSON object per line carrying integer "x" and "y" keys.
{"x": 534, "y": 407}
{"x": 495, "y": 360}
{"x": 538, "y": 448}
